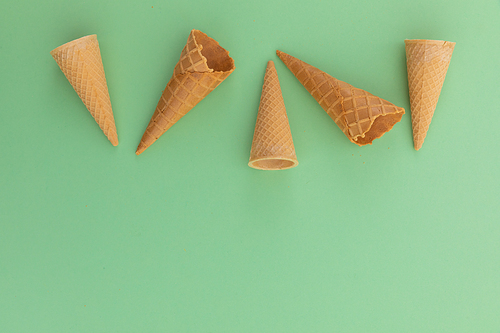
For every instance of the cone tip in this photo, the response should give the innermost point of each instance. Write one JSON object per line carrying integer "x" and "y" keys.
{"x": 283, "y": 56}
{"x": 140, "y": 149}
{"x": 113, "y": 138}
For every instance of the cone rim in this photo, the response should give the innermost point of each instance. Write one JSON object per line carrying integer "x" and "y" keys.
{"x": 73, "y": 42}
{"x": 253, "y": 162}
{"x": 200, "y": 47}
{"x": 428, "y": 41}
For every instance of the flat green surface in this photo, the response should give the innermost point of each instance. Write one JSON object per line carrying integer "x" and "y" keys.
{"x": 188, "y": 238}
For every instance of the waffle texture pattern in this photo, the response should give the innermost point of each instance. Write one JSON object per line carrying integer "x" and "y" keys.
{"x": 272, "y": 146}
{"x": 202, "y": 66}
{"x": 80, "y": 60}
{"x": 427, "y": 62}
{"x": 354, "y": 110}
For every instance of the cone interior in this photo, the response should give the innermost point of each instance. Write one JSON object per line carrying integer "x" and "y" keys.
{"x": 217, "y": 57}
{"x": 381, "y": 125}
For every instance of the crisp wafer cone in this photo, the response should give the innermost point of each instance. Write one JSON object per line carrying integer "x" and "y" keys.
{"x": 362, "y": 116}
{"x": 427, "y": 62}
{"x": 203, "y": 65}
{"x": 272, "y": 146}
{"x": 80, "y": 60}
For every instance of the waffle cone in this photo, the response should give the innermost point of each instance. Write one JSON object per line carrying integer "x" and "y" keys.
{"x": 272, "y": 146}
{"x": 361, "y": 116}
{"x": 203, "y": 65}
{"x": 427, "y": 62}
{"x": 80, "y": 60}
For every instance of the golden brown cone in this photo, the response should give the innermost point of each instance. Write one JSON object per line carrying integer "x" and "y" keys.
{"x": 362, "y": 116}
{"x": 272, "y": 146}
{"x": 203, "y": 65}
{"x": 80, "y": 60}
{"x": 427, "y": 62}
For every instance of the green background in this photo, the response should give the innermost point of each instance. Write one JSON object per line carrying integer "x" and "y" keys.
{"x": 188, "y": 238}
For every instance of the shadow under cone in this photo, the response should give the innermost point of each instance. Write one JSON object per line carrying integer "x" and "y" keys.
{"x": 80, "y": 60}
{"x": 272, "y": 146}
{"x": 361, "y": 116}
{"x": 203, "y": 65}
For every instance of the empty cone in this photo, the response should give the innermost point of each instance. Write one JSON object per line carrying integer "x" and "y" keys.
{"x": 427, "y": 62}
{"x": 362, "y": 116}
{"x": 272, "y": 146}
{"x": 80, "y": 60}
{"x": 203, "y": 65}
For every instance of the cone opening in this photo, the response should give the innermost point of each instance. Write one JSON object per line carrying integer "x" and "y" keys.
{"x": 273, "y": 164}
{"x": 84, "y": 39}
{"x": 380, "y": 126}
{"x": 217, "y": 57}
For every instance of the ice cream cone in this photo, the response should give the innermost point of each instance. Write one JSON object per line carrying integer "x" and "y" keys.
{"x": 362, "y": 116}
{"x": 80, "y": 60}
{"x": 272, "y": 146}
{"x": 427, "y": 62}
{"x": 203, "y": 65}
